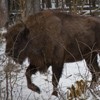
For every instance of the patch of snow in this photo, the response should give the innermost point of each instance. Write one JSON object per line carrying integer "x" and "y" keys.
{"x": 71, "y": 73}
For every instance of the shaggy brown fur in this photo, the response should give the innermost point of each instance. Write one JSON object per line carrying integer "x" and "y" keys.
{"x": 52, "y": 38}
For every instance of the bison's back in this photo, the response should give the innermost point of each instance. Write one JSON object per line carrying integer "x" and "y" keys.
{"x": 59, "y": 24}
{"x": 75, "y": 34}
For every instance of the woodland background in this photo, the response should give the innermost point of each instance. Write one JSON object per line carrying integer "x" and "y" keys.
{"x": 12, "y": 76}
{"x": 12, "y": 10}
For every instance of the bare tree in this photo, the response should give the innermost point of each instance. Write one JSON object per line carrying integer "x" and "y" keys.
{"x": 43, "y": 4}
{"x": 57, "y": 3}
{"x": 48, "y": 3}
{"x": 69, "y": 4}
{"x": 94, "y": 3}
{"x": 3, "y": 12}
{"x": 32, "y": 7}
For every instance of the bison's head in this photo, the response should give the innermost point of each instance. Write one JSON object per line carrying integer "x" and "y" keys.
{"x": 17, "y": 40}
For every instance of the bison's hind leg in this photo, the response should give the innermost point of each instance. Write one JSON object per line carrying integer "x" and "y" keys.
{"x": 31, "y": 70}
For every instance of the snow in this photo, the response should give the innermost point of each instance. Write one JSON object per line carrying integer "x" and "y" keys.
{"x": 71, "y": 73}
{"x": 18, "y": 85}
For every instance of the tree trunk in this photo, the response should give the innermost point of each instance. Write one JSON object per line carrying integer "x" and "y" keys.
{"x": 70, "y": 6}
{"x": 99, "y": 4}
{"x": 90, "y": 6}
{"x": 62, "y": 4}
{"x": 93, "y": 3}
{"x": 3, "y": 12}
{"x": 43, "y": 4}
{"x": 48, "y": 3}
{"x": 56, "y": 2}
{"x": 32, "y": 7}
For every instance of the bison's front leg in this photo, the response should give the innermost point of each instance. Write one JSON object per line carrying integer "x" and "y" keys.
{"x": 31, "y": 70}
{"x": 57, "y": 67}
{"x": 57, "y": 71}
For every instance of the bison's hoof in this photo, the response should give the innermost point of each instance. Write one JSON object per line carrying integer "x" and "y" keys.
{"x": 38, "y": 90}
{"x": 55, "y": 93}
{"x": 34, "y": 88}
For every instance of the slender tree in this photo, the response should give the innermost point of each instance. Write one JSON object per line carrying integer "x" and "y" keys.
{"x": 57, "y": 3}
{"x": 43, "y": 3}
{"x": 48, "y": 3}
{"x": 93, "y": 3}
{"x": 90, "y": 6}
{"x": 32, "y": 7}
{"x": 3, "y": 12}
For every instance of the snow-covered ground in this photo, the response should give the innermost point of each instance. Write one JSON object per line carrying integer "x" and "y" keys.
{"x": 71, "y": 73}
{"x": 16, "y": 85}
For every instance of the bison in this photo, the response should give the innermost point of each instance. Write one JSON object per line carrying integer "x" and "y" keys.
{"x": 52, "y": 38}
